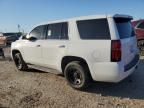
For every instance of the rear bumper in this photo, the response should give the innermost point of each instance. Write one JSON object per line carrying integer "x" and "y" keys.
{"x": 111, "y": 72}
{"x": 125, "y": 74}
{"x": 132, "y": 63}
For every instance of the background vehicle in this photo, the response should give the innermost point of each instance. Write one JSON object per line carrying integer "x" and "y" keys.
{"x": 100, "y": 48}
{"x": 2, "y": 40}
{"x": 2, "y": 44}
{"x": 139, "y": 30}
{"x": 11, "y": 37}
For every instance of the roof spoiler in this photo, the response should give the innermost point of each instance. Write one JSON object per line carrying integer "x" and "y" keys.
{"x": 123, "y": 16}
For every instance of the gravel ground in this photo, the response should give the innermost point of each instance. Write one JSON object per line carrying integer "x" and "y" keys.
{"x": 44, "y": 90}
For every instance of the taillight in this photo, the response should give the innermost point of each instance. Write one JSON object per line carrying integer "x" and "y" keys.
{"x": 115, "y": 50}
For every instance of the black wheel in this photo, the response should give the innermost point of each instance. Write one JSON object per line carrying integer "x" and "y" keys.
{"x": 2, "y": 53}
{"x": 141, "y": 45}
{"x": 19, "y": 62}
{"x": 77, "y": 75}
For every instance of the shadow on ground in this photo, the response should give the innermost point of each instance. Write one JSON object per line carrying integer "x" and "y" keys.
{"x": 35, "y": 71}
{"x": 132, "y": 87}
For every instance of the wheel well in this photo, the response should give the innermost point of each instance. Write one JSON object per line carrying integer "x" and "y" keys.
{"x": 68, "y": 59}
{"x": 14, "y": 52}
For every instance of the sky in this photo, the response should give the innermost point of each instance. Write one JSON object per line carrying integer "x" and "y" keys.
{"x": 28, "y": 13}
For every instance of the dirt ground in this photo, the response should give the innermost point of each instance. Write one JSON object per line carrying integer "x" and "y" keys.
{"x": 44, "y": 90}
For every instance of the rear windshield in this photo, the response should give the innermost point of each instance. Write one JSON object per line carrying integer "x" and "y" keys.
{"x": 93, "y": 29}
{"x": 124, "y": 27}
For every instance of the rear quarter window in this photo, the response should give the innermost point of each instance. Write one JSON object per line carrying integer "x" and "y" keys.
{"x": 124, "y": 27}
{"x": 93, "y": 29}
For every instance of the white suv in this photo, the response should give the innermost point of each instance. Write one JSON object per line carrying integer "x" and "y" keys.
{"x": 101, "y": 48}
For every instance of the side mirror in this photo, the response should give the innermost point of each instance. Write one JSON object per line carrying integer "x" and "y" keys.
{"x": 23, "y": 37}
{"x": 32, "y": 38}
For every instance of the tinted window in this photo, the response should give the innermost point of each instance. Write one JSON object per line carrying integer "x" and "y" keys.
{"x": 8, "y": 34}
{"x": 64, "y": 34}
{"x": 57, "y": 31}
{"x": 141, "y": 25}
{"x": 12, "y": 34}
{"x": 94, "y": 29}
{"x": 124, "y": 27}
{"x": 54, "y": 31}
{"x": 38, "y": 32}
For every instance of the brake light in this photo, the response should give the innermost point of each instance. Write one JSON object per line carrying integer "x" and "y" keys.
{"x": 115, "y": 50}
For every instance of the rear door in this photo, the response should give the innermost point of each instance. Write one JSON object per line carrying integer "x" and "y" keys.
{"x": 54, "y": 46}
{"x": 128, "y": 40}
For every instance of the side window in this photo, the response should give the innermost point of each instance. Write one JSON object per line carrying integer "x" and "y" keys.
{"x": 64, "y": 34}
{"x": 54, "y": 31}
{"x": 141, "y": 25}
{"x": 38, "y": 32}
{"x": 94, "y": 29}
{"x": 57, "y": 31}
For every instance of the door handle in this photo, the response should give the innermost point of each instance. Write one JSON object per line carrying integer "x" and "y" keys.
{"x": 62, "y": 46}
{"x": 38, "y": 46}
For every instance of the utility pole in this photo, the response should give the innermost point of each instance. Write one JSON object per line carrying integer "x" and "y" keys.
{"x": 19, "y": 28}
{"x": 23, "y": 31}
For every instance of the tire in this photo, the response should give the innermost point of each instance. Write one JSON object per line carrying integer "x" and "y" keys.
{"x": 141, "y": 45}
{"x": 19, "y": 62}
{"x": 2, "y": 53}
{"x": 77, "y": 75}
